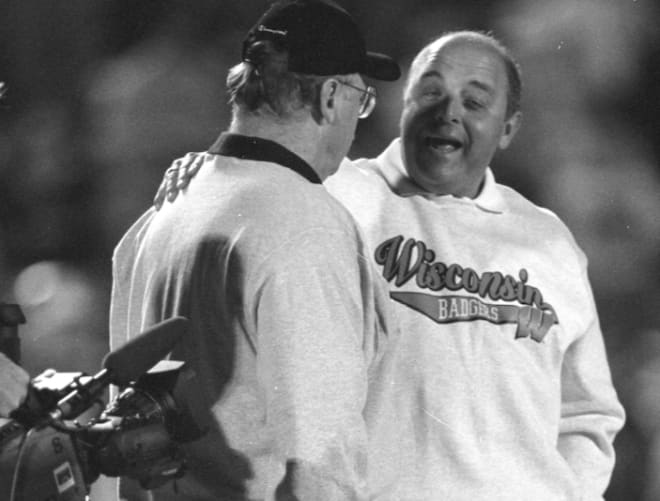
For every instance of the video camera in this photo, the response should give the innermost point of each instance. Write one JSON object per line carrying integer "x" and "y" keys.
{"x": 48, "y": 454}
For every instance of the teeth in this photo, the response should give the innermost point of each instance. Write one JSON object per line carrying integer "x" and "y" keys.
{"x": 446, "y": 148}
{"x": 443, "y": 145}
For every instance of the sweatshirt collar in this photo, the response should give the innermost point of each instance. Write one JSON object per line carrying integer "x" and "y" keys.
{"x": 262, "y": 150}
{"x": 390, "y": 164}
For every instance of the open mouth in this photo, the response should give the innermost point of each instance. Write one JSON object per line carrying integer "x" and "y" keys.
{"x": 443, "y": 144}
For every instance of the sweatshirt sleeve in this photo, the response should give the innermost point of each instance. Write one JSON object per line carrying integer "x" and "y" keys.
{"x": 312, "y": 368}
{"x": 591, "y": 414}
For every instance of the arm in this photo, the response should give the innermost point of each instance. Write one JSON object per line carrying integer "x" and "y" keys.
{"x": 13, "y": 385}
{"x": 312, "y": 369}
{"x": 126, "y": 489}
{"x": 591, "y": 414}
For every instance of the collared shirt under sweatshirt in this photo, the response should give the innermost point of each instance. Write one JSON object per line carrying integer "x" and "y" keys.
{"x": 506, "y": 386}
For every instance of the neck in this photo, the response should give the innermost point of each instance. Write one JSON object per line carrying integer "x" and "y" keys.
{"x": 303, "y": 137}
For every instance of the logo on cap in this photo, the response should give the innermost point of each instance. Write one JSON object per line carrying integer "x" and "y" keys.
{"x": 274, "y": 32}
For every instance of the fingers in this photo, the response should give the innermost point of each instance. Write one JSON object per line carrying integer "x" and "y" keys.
{"x": 177, "y": 177}
{"x": 190, "y": 165}
{"x": 160, "y": 196}
{"x": 159, "y": 199}
{"x": 181, "y": 175}
{"x": 162, "y": 192}
{"x": 171, "y": 180}
{"x": 164, "y": 189}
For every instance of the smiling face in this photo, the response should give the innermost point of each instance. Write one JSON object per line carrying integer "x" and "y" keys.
{"x": 454, "y": 117}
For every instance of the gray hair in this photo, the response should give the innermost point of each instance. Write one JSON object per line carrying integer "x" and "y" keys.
{"x": 263, "y": 83}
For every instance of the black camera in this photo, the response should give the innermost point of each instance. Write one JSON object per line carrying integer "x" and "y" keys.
{"x": 54, "y": 450}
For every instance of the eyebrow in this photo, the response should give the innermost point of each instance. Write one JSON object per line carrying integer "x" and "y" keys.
{"x": 476, "y": 83}
{"x": 480, "y": 85}
{"x": 430, "y": 73}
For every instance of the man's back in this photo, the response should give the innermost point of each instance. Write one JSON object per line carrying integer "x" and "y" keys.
{"x": 271, "y": 271}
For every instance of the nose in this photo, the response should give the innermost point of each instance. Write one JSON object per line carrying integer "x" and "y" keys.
{"x": 447, "y": 110}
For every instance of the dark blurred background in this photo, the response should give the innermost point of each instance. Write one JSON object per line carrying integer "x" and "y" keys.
{"x": 103, "y": 94}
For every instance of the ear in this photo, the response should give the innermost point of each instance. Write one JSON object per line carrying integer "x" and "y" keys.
{"x": 328, "y": 100}
{"x": 511, "y": 126}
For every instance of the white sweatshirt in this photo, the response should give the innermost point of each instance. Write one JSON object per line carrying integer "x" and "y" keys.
{"x": 288, "y": 330}
{"x": 503, "y": 370}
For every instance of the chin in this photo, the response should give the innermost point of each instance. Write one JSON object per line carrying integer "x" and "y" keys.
{"x": 441, "y": 179}
{"x": 431, "y": 183}
{"x": 433, "y": 167}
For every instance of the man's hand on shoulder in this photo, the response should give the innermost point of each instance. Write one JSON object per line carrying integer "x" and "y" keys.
{"x": 177, "y": 177}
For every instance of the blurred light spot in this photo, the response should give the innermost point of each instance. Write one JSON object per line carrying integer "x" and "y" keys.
{"x": 37, "y": 283}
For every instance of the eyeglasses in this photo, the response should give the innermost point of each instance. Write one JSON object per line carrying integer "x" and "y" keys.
{"x": 367, "y": 101}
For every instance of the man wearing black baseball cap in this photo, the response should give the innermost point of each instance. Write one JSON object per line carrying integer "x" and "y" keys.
{"x": 287, "y": 352}
{"x": 301, "y": 27}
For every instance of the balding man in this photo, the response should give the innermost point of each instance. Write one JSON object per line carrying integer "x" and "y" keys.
{"x": 508, "y": 388}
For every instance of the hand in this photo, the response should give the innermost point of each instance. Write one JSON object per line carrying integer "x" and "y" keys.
{"x": 13, "y": 385}
{"x": 177, "y": 177}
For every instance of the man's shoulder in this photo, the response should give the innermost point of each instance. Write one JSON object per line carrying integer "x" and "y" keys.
{"x": 356, "y": 177}
{"x": 535, "y": 217}
{"x": 521, "y": 205}
{"x": 266, "y": 193}
{"x": 353, "y": 169}
{"x": 280, "y": 205}
{"x": 133, "y": 235}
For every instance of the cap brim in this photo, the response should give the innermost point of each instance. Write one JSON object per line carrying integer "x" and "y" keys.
{"x": 381, "y": 67}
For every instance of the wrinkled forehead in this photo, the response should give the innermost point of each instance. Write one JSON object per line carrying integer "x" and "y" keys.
{"x": 468, "y": 56}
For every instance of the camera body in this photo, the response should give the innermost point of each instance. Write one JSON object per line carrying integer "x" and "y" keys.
{"x": 63, "y": 437}
{"x": 40, "y": 464}
{"x": 138, "y": 435}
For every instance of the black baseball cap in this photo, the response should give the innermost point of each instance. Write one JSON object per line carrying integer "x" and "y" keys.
{"x": 321, "y": 39}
